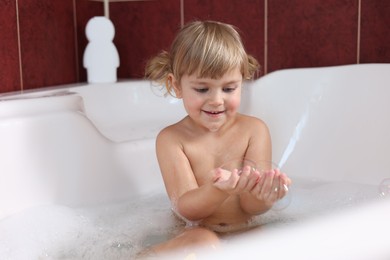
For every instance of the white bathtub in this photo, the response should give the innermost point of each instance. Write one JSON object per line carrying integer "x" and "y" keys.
{"x": 94, "y": 144}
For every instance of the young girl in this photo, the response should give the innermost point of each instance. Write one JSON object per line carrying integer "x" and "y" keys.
{"x": 205, "y": 68}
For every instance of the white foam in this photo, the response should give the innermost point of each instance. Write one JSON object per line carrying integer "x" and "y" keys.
{"x": 35, "y": 232}
{"x": 121, "y": 230}
{"x": 311, "y": 198}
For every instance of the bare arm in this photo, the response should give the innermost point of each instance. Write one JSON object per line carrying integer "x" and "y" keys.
{"x": 271, "y": 185}
{"x": 259, "y": 150}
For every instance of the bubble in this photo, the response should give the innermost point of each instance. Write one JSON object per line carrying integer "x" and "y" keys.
{"x": 384, "y": 188}
{"x": 238, "y": 164}
{"x": 261, "y": 166}
{"x": 284, "y": 202}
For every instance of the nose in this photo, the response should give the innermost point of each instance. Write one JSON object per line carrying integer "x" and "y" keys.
{"x": 216, "y": 98}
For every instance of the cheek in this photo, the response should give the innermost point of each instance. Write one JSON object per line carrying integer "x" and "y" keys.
{"x": 192, "y": 102}
{"x": 234, "y": 102}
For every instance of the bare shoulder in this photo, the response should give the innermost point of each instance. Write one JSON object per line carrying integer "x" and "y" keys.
{"x": 168, "y": 146}
{"x": 259, "y": 145}
{"x": 253, "y": 123}
{"x": 168, "y": 134}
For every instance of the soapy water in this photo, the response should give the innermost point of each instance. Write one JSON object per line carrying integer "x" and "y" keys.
{"x": 262, "y": 167}
{"x": 315, "y": 198}
{"x": 121, "y": 230}
{"x": 116, "y": 231}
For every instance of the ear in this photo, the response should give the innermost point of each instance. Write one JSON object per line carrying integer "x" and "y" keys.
{"x": 175, "y": 85}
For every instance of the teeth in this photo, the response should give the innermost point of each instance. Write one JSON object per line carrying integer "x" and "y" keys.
{"x": 213, "y": 112}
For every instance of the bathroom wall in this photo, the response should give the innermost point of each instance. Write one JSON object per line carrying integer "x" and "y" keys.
{"x": 42, "y": 41}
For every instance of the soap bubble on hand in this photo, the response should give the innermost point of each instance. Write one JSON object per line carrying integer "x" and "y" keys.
{"x": 262, "y": 166}
{"x": 384, "y": 188}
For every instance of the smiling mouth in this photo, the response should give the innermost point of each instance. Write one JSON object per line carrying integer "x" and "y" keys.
{"x": 213, "y": 113}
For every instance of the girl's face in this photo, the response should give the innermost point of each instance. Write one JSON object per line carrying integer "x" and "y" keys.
{"x": 210, "y": 103}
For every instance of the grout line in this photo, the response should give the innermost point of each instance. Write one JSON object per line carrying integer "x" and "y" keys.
{"x": 76, "y": 47}
{"x": 358, "y": 31}
{"x": 19, "y": 47}
{"x": 106, "y": 7}
{"x": 265, "y": 37}
{"x": 181, "y": 13}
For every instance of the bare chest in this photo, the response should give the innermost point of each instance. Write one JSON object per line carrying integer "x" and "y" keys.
{"x": 205, "y": 155}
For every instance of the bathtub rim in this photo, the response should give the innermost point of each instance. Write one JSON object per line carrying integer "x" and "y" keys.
{"x": 54, "y": 88}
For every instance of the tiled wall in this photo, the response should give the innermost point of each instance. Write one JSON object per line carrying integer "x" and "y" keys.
{"x": 42, "y": 41}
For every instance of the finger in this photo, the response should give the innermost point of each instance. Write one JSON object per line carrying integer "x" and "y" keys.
{"x": 252, "y": 180}
{"x": 283, "y": 190}
{"x": 256, "y": 190}
{"x": 275, "y": 191}
{"x": 262, "y": 186}
{"x": 233, "y": 179}
{"x": 246, "y": 171}
{"x": 244, "y": 179}
{"x": 283, "y": 186}
{"x": 286, "y": 179}
{"x": 267, "y": 185}
{"x": 217, "y": 174}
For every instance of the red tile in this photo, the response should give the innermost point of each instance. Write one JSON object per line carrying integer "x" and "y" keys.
{"x": 375, "y": 31}
{"x": 47, "y": 42}
{"x": 246, "y": 15}
{"x": 143, "y": 29}
{"x": 9, "y": 57}
{"x": 311, "y": 33}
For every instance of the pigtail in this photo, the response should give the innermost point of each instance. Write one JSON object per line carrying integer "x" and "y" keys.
{"x": 158, "y": 69}
{"x": 253, "y": 69}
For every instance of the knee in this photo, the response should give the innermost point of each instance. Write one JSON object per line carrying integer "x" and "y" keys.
{"x": 190, "y": 239}
{"x": 204, "y": 236}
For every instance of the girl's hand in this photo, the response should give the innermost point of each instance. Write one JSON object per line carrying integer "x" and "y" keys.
{"x": 272, "y": 186}
{"x": 225, "y": 180}
{"x": 236, "y": 182}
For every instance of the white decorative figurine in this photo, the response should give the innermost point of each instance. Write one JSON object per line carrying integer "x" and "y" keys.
{"x": 101, "y": 58}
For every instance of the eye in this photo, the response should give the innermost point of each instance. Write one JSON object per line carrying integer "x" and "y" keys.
{"x": 229, "y": 89}
{"x": 201, "y": 90}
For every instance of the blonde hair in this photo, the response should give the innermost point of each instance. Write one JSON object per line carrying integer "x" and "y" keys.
{"x": 207, "y": 48}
